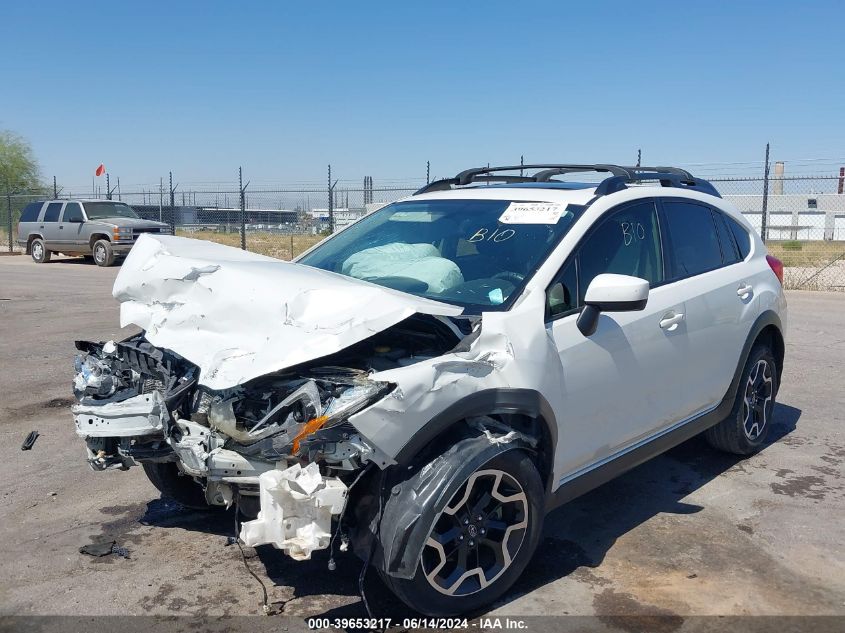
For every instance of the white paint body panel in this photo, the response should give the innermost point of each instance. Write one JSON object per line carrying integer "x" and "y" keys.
{"x": 239, "y": 315}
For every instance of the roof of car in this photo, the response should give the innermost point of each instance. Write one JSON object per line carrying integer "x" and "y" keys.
{"x": 614, "y": 178}
{"x": 84, "y": 200}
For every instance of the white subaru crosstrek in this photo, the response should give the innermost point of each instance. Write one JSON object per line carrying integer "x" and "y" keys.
{"x": 425, "y": 385}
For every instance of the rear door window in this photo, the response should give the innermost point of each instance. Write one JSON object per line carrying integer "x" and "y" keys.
{"x": 52, "y": 212}
{"x": 692, "y": 239}
{"x": 31, "y": 211}
{"x": 73, "y": 213}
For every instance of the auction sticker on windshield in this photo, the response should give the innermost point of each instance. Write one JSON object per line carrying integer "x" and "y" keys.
{"x": 532, "y": 213}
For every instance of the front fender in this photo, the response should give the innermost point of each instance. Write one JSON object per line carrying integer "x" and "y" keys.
{"x": 413, "y": 505}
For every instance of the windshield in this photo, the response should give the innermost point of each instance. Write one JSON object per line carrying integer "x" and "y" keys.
{"x": 473, "y": 253}
{"x": 98, "y": 210}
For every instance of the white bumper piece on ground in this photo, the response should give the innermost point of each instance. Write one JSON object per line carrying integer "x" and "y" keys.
{"x": 297, "y": 506}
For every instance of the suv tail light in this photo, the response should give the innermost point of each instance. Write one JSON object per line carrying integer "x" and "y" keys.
{"x": 777, "y": 267}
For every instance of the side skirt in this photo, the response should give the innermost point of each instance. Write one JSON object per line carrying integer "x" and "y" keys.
{"x": 633, "y": 457}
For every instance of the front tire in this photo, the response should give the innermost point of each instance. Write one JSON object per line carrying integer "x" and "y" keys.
{"x": 103, "y": 253}
{"x": 39, "y": 252}
{"x": 480, "y": 542}
{"x": 169, "y": 480}
{"x": 745, "y": 430}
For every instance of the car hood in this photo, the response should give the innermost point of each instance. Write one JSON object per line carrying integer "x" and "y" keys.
{"x": 131, "y": 222}
{"x": 239, "y": 315}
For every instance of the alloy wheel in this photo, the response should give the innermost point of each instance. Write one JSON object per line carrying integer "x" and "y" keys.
{"x": 100, "y": 253}
{"x": 37, "y": 250}
{"x": 758, "y": 396}
{"x": 477, "y": 536}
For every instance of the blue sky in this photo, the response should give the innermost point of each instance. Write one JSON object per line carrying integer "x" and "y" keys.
{"x": 379, "y": 88}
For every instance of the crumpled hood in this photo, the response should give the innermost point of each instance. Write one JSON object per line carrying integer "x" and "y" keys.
{"x": 239, "y": 315}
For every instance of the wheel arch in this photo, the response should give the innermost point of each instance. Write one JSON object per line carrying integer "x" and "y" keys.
{"x": 767, "y": 327}
{"x": 523, "y": 410}
{"x": 29, "y": 240}
{"x": 95, "y": 237}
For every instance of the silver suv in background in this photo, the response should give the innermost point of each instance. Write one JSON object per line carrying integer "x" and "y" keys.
{"x": 100, "y": 229}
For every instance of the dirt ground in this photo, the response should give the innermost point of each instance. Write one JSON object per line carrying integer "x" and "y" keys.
{"x": 693, "y": 532}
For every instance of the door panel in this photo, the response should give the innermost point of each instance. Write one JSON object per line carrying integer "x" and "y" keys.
{"x": 71, "y": 232}
{"x": 49, "y": 227}
{"x": 708, "y": 279}
{"x": 622, "y": 383}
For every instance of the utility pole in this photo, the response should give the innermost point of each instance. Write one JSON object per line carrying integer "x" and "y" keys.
{"x": 765, "y": 196}
{"x": 55, "y": 189}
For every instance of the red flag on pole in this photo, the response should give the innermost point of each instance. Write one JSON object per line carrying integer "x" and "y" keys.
{"x": 100, "y": 170}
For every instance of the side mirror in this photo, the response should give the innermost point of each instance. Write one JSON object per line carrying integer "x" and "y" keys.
{"x": 611, "y": 293}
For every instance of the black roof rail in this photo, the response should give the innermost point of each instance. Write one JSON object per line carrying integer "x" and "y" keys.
{"x": 618, "y": 180}
{"x": 670, "y": 178}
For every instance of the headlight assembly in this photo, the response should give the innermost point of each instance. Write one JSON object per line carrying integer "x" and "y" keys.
{"x": 340, "y": 407}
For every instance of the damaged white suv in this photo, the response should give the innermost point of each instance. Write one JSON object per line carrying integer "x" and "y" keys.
{"x": 426, "y": 384}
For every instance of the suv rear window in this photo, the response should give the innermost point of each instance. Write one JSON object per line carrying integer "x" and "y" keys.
{"x": 52, "y": 212}
{"x": 31, "y": 211}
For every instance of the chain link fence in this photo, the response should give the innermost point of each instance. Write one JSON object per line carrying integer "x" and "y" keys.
{"x": 802, "y": 221}
{"x": 801, "y": 218}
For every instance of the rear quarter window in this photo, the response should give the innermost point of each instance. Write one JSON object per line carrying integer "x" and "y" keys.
{"x": 730, "y": 254}
{"x": 743, "y": 240}
{"x": 31, "y": 211}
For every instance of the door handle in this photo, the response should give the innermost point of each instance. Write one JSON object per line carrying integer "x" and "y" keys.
{"x": 745, "y": 291}
{"x": 61, "y": 227}
{"x": 671, "y": 321}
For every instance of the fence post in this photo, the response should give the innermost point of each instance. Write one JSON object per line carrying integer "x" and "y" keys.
{"x": 9, "y": 209}
{"x": 331, "y": 203}
{"x": 55, "y": 189}
{"x": 765, "y": 196}
{"x": 427, "y": 172}
{"x": 172, "y": 206}
{"x": 243, "y": 208}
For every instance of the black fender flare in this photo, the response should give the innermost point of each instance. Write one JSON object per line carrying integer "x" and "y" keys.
{"x": 766, "y": 319}
{"x": 413, "y": 505}
{"x": 528, "y": 402}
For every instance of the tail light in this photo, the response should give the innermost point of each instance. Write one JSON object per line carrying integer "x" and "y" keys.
{"x": 777, "y": 267}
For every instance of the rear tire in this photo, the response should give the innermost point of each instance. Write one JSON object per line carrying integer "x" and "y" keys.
{"x": 745, "y": 430}
{"x": 167, "y": 478}
{"x": 39, "y": 252}
{"x": 103, "y": 253}
{"x": 480, "y": 538}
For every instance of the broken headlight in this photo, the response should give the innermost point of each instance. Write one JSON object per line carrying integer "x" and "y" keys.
{"x": 340, "y": 407}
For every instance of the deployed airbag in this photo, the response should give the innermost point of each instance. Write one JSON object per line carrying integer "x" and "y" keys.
{"x": 421, "y": 262}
